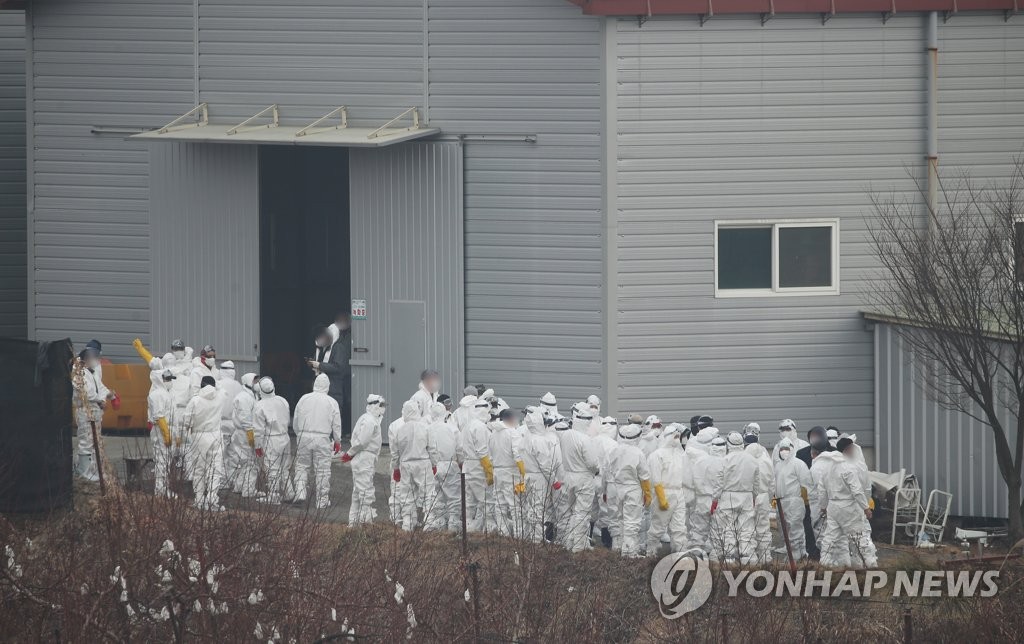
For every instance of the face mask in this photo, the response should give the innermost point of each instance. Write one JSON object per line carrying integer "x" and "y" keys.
{"x": 783, "y": 454}
{"x": 179, "y": 354}
{"x": 210, "y": 362}
{"x": 376, "y": 410}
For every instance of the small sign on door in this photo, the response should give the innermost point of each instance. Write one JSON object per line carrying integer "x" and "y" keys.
{"x": 358, "y": 309}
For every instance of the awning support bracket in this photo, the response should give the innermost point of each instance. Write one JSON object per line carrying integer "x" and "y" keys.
{"x": 826, "y": 16}
{"x": 704, "y": 17}
{"x": 415, "y": 123}
{"x": 1009, "y": 13}
{"x": 890, "y": 13}
{"x": 765, "y": 17}
{"x": 341, "y": 112}
{"x": 244, "y": 125}
{"x": 946, "y": 15}
{"x": 204, "y": 119}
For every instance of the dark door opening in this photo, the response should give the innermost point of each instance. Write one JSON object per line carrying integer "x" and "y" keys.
{"x": 304, "y": 256}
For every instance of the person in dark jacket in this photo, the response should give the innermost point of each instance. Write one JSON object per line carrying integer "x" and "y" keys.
{"x": 331, "y": 357}
{"x": 818, "y": 439}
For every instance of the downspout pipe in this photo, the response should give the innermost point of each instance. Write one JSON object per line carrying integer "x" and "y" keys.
{"x": 932, "y": 116}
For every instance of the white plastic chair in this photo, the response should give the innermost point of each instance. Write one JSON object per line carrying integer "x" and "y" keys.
{"x": 906, "y": 505}
{"x": 932, "y": 518}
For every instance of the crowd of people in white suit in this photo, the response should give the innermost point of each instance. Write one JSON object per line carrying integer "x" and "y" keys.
{"x": 578, "y": 479}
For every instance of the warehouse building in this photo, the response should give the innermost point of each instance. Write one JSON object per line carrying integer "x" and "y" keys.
{"x": 660, "y": 201}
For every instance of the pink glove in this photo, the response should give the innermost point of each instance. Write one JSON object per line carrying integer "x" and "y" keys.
{"x": 337, "y": 447}
{"x": 557, "y": 485}
{"x": 346, "y": 457}
{"x": 714, "y": 506}
{"x": 434, "y": 470}
{"x": 396, "y": 476}
{"x": 259, "y": 452}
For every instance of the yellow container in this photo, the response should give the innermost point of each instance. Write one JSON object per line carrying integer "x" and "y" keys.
{"x": 131, "y": 382}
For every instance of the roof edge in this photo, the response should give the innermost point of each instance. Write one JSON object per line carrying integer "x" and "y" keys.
{"x": 650, "y": 8}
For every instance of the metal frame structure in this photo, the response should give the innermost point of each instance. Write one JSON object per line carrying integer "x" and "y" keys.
{"x": 244, "y": 125}
{"x": 341, "y": 111}
{"x": 204, "y": 119}
{"x": 383, "y": 129}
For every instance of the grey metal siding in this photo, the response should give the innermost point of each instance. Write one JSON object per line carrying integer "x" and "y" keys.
{"x": 533, "y": 210}
{"x": 13, "y": 217}
{"x": 734, "y": 121}
{"x": 406, "y": 231}
{"x": 99, "y": 63}
{"x": 946, "y": 450}
{"x": 204, "y": 232}
{"x": 311, "y": 56}
{"x": 981, "y": 95}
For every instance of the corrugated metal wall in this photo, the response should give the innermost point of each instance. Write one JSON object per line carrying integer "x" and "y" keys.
{"x": 947, "y": 450}
{"x": 981, "y": 95}
{"x": 311, "y": 56}
{"x": 533, "y": 211}
{"x": 204, "y": 234}
{"x": 734, "y": 121}
{"x": 13, "y": 217}
{"x": 406, "y": 223}
{"x": 98, "y": 63}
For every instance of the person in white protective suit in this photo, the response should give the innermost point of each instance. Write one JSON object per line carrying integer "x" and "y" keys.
{"x": 601, "y": 513}
{"x": 549, "y": 405}
{"x": 427, "y": 392}
{"x": 229, "y": 388}
{"x": 509, "y": 476}
{"x": 182, "y": 370}
{"x": 844, "y": 503}
{"x": 627, "y": 484}
{"x": 240, "y": 468}
{"x": 763, "y": 500}
{"x": 464, "y": 412}
{"x": 732, "y": 525}
{"x": 792, "y": 480}
{"x": 672, "y": 482}
{"x": 317, "y": 424}
{"x": 362, "y": 457}
{"x": 832, "y": 434}
{"x": 581, "y": 464}
{"x": 650, "y": 437}
{"x": 204, "y": 456}
{"x": 203, "y": 366}
{"x": 394, "y": 499}
{"x": 160, "y": 412}
{"x": 787, "y": 429}
{"x": 543, "y": 460}
{"x": 411, "y": 469}
{"x": 477, "y": 465}
{"x": 595, "y": 410}
{"x": 444, "y": 447}
{"x": 89, "y": 401}
{"x": 707, "y": 476}
{"x": 273, "y": 447}
{"x": 862, "y": 548}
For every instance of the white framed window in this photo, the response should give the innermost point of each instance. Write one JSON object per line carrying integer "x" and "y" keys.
{"x": 760, "y": 258}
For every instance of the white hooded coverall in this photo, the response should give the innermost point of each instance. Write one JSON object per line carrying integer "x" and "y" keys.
{"x": 244, "y": 467}
{"x": 672, "y": 472}
{"x": 707, "y": 474}
{"x": 475, "y": 449}
{"x": 543, "y": 460}
{"x": 229, "y": 388}
{"x": 317, "y": 424}
{"x": 762, "y": 502}
{"x": 791, "y": 474}
{"x": 204, "y": 455}
{"x": 844, "y": 499}
{"x": 366, "y": 442}
{"x": 732, "y": 526}
{"x": 581, "y": 464}
{"x": 160, "y": 404}
{"x": 627, "y": 472}
{"x": 502, "y": 507}
{"x": 409, "y": 456}
{"x": 271, "y": 416}
{"x": 90, "y": 396}
{"x": 444, "y": 446}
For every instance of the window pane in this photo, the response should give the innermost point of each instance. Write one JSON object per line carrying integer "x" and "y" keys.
{"x": 744, "y": 258}
{"x": 805, "y": 257}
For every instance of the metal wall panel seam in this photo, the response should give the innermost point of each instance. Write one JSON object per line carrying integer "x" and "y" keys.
{"x": 610, "y": 182}
{"x": 30, "y": 184}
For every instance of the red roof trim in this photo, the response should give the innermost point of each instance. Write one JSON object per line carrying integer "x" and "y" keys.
{"x": 717, "y": 7}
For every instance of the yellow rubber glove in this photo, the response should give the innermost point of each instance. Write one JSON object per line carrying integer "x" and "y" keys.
{"x": 519, "y": 488}
{"x": 646, "y": 487}
{"x": 659, "y": 489}
{"x": 165, "y": 431}
{"x": 871, "y": 503}
{"x": 773, "y": 503}
{"x": 485, "y": 463}
{"x": 522, "y": 469}
{"x": 250, "y": 436}
{"x": 803, "y": 495}
{"x": 142, "y": 351}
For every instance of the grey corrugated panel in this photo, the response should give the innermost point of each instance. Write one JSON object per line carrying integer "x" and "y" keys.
{"x": 981, "y": 94}
{"x": 100, "y": 63}
{"x": 13, "y": 215}
{"x": 945, "y": 449}
{"x": 406, "y": 232}
{"x": 533, "y": 211}
{"x": 205, "y": 198}
{"x": 732, "y": 122}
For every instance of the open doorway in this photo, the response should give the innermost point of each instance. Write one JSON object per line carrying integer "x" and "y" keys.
{"x": 304, "y": 256}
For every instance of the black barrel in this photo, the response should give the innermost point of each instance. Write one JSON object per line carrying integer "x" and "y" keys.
{"x": 35, "y": 425}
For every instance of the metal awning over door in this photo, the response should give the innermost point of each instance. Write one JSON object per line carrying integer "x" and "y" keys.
{"x": 265, "y": 128}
